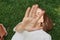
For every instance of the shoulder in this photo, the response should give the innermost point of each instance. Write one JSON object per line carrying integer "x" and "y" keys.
{"x": 47, "y": 36}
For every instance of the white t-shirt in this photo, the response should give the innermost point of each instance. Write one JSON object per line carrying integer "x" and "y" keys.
{"x": 34, "y": 35}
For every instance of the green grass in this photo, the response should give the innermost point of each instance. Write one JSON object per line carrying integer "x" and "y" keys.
{"x": 12, "y": 12}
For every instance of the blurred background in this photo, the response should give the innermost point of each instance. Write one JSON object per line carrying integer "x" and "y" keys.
{"x": 12, "y": 12}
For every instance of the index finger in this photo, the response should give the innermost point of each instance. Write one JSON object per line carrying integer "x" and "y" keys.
{"x": 27, "y": 12}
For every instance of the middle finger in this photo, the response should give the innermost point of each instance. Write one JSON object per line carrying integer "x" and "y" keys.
{"x": 32, "y": 10}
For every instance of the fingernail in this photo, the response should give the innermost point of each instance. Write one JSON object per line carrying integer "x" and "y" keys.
{"x": 36, "y": 4}
{"x": 28, "y": 8}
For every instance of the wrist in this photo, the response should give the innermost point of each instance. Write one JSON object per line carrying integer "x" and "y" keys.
{"x": 19, "y": 27}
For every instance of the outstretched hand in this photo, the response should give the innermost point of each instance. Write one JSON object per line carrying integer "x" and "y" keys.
{"x": 30, "y": 20}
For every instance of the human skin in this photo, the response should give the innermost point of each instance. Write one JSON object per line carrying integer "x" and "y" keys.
{"x": 31, "y": 19}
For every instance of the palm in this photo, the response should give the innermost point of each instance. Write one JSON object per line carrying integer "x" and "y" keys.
{"x": 30, "y": 20}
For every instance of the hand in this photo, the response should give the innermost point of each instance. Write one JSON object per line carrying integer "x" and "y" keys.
{"x": 38, "y": 25}
{"x": 34, "y": 24}
{"x": 30, "y": 19}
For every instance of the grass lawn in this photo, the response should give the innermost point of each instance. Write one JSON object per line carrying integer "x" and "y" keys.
{"x": 12, "y": 12}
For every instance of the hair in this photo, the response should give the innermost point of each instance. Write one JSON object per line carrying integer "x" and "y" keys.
{"x": 47, "y": 23}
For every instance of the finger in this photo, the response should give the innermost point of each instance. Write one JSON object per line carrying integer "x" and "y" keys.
{"x": 35, "y": 10}
{"x": 32, "y": 9}
{"x": 41, "y": 19}
{"x": 27, "y": 12}
{"x": 40, "y": 13}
